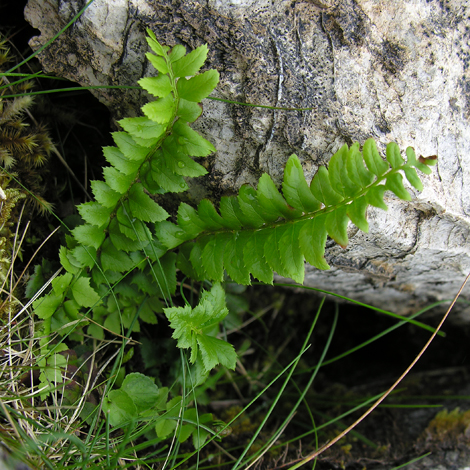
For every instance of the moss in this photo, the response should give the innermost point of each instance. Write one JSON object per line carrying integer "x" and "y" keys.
{"x": 25, "y": 147}
{"x": 25, "y": 144}
{"x": 447, "y": 430}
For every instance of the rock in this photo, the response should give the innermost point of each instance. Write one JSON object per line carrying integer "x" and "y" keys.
{"x": 396, "y": 71}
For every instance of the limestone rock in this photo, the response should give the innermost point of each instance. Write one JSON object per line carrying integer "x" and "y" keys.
{"x": 396, "y": 71}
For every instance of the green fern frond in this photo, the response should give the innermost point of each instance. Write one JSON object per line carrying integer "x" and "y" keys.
{"x": 264, "y": 230}
{"x": 152, "y": 156}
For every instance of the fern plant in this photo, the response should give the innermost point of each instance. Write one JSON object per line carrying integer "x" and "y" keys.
{"x": 121, "y": 263}
{"x": 261, "y": 231}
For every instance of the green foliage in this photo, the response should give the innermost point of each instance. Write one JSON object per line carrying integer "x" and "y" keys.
{"x": 139, "y": 399}
{"x": 118, "y": 234}
{"x": 195, "y": 328}
{"x": 263, "y": 230}
{"x": 137, "y": 395}
{"x": 120, "y": 265}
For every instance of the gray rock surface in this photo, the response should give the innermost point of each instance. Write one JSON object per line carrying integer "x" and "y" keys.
{"x": 396, "y": 71}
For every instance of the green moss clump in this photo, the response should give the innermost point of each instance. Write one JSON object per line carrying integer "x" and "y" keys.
{"x": 25, "y": 145}
{"x": 447, "y": 430}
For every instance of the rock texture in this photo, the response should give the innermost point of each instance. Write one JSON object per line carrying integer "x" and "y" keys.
{"x": 396, "y": 71}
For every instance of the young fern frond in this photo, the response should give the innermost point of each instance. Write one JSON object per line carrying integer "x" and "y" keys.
{"x": 152, "y": 156}
{"x": 261, "y": 231}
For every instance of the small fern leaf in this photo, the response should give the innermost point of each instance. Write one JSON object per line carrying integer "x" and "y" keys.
{"x": 230, "y": 212}
{"x": 312, "y": 239}
{"x": 89, "y": 235}
{"x": 162, "y": 110}
{"x": 358, "y": 173}
{"x": 46, "y": 306}
{"x": 113, "y": 259}
{"x": 155, "y": 45}
{"x": 410, "y": 156}
{"x": 254, "y": 257}
{"x": 291, "y": 255}
{"x": 394, "y": 183}
{"x": 159, "y": 86}
{"x": 250, "y": 207}
{"x": 213, "y": 256}
{"x": 234, "y": 260}
{"x": 106, "y": 196}
{"x": 117, "y": 159}
{"x": 422, "y": 163}
{"x": 182, "y": 165}
{"x": 413, "y": 178}
{"x": 164, "y": 177}
{"x": 322, "y": 190}
{"x": 83, "y": 293}
{"x": 337, "y": 226}
{"x": 393, "y": 155}
{"x": 188, "y": 111}
{"x": 179, "y": 162}
{"x": 190, "y": 142}
{"x": 142, "y": 207}
{"x": 272, "y": 201}
{"x": 121, "y": 241}
{"x": 196, "y": 258}
{"x": 94, "y": 213}
{"x": 375, "y": 196}
{"x": 338, "y": 174}
{"x": 211, "y": 219}
{"x": 118, "y": 181}
{"x": 295, "y": 187}
{"x": 86, "y": 257}
{"x": 67, "y": 261}
{"x": 170, "y": 234}
{"x": 423, "y": 167}
{"x": 134, "y": 229}
{"x": 198, "y": 87}
{"x": 190, "y": 64}
{"x": 373, "y": 159}
{"x": 233, "y": 212}
{"x": 189, "y": 220}
{"x": 147, "y": 179}
{"x": 272, "y": 250}
{"x": 356, "y": 211}
{"x": 140, "y": 128}
{"x": 177, "y": 52}
{"x": 158, "y": 62}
